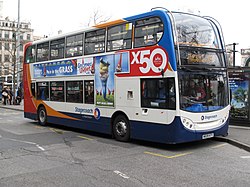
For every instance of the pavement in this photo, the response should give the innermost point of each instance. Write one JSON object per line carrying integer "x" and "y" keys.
{"x": 238, "y": 136}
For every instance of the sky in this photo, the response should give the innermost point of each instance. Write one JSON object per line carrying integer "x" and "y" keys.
{"x": 47, "y": 17}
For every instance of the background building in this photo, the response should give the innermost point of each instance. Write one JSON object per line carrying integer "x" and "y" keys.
{"x": 8, "y": 45}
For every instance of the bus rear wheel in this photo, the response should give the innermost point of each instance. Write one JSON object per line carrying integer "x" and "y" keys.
{"x": 42, "y": 116}
{"x": 121, "y": 128}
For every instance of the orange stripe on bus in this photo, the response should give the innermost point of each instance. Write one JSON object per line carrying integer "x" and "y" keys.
{"x": 115, "y": 22}
{"x": 51, "y": 112}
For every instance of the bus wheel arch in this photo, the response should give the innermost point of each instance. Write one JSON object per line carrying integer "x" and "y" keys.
{"x": 42, "y": 115}
{"x": 120, "y": 126}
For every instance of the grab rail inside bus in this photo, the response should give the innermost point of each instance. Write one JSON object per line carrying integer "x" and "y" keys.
{"x": 175, "y": 33}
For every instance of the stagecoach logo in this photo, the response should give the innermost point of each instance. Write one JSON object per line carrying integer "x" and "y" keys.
{"x": 84, "y": 110}
{"x": 208, "y": 117}
{"x": 97, "y": 113}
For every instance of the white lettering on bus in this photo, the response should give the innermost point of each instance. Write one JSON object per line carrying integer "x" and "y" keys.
{"x": 66, "y": 69}
{"x": 150, "y": 61}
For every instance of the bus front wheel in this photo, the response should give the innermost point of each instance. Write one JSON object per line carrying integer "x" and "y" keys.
{"x": 121, "y": 128}
{"x": 42, "y": 116}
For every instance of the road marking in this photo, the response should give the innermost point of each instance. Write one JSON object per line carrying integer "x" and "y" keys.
{"x": 239, "y": 127}
{"x": 39, "y": 147}
{"x": 218, "y": 146}
{"x": 245, "y": 157}
{"x": 38, "y": 127}
{"x": 21, "y": 141}
{"x": 86, "y": 138}
{"x": 57, "y": 131}
{"x": 121, "y": 174}
{"x": 165, "y": 156}
{"x": 27, "y": 142}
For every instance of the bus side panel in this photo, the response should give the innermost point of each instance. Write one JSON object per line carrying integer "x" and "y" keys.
{"x": 172, "y": 133}
{"x": 100, "y": 126}
{"x": 29, "y": 104}
{"x": 30, "y": 115}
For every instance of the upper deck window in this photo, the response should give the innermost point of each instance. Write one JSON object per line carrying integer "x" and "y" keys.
{"x": 119, "y": 37}
{"x": 74, "y": 45}
{"x": 42, "y": 52}
{"x": 30, "y": 54}
{"x": 57, "y": 49}
{"x": 199, "y": 41}
{"x": 148, "y": 31}
{"x": 94, "y": 42}
{"x": 196, "y": 31}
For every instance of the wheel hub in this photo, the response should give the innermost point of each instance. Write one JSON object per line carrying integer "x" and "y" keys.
{"x": 121, "y": 128}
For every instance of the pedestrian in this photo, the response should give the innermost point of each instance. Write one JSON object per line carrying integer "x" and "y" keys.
{"x": 19, "y": 96}
{"x": 5, "y": 95}
{"x": 10, "y": 95}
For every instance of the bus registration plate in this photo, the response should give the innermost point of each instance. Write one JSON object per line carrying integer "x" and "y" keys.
{"x": 205, "y": 136}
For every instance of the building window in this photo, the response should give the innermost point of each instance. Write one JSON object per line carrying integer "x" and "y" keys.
{"x": 119, "y": 37}
{"x": 57, "y": 91}
{"x": 6, "y": 58}
{"x": 74, "y": 91}
{"x": 94, "y": 42}
{"x": 74, "y": 45}
{"x": 42, "y": 52}
{"x": 6, "y": 46}
{"x": 28, "y": 37}
{"x": 57, "y": 49}
{"x": 148, "y": 31}
{"x": 43, "y": 91}
{"x": 21, "y": 47}
{"x": 89, "y": 92}
{"x": 6, "y": 35}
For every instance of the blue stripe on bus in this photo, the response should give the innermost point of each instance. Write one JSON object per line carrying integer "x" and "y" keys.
{"x": 172, "y": 133}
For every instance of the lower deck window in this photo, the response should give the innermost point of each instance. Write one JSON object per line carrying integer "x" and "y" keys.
{"x": 74, "y": 91}
{"x": 43, "y": 91}
{"x": 89, "y": 92}
{"x": 57, "y": 91}
{"x": 158, "y": 93}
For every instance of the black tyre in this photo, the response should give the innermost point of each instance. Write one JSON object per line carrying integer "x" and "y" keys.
{"x": 121, "y": 128}
{"x": 42, "y": 116}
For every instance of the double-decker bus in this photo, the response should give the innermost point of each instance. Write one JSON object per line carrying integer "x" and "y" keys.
{"x": 159, "y": 76}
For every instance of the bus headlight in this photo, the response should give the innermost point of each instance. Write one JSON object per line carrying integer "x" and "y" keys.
{"x": 187, "y": 123}
{"x": 224, "y": 119}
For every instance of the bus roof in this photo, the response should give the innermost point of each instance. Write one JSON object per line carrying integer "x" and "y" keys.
{"x": 102, "y": 25}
